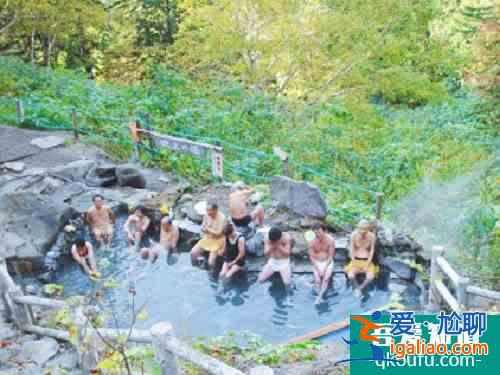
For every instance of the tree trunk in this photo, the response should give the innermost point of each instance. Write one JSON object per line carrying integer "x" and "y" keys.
{"x": 46, "y": 46}
{"x": 168, "y": 31}
{"x": 52, "y": 42}
{"x": 32, "y": 45}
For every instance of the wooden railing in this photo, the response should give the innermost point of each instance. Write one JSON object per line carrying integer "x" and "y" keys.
{"x": 168, "y": 348}
{"x": 443, "y": 276}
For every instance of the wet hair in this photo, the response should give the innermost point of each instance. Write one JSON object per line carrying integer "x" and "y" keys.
{"x": 228, "y": 229}
{"x": 212, "y": 206}
{"x": 318, "y": 226}
{"x": 97, "y": 196}
{"x": 80, "y": 241}
{"x": 141, "y": 209}
{"x": 275, "y": 234}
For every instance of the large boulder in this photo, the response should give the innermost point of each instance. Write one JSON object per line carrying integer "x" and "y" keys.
{"x": 129, "y": 175}
{"x": 399, "y": 268}
{"x": 29, "y": 224}
{"x": 101, "y": 177}
{"x": 105, "y": 170}
{"x": 303, "y": 198}
{"x": 74, "y": 171}
{"x": 187, "y": 210}
{"x": 299, "y": 245}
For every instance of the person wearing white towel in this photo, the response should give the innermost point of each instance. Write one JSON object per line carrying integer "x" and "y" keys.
{"x": 322, "y": 256}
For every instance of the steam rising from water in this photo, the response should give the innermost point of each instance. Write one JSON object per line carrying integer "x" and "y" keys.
{"x": 435, "y": 211}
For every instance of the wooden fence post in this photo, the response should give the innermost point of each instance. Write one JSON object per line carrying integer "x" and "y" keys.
{"x": 86, "y": 341}
{"x": 286, "y": 168}
{"x": 437, "y": 251}
{"x": 74, "y": 124}
{"x": 378, "y": 206}
{"x": 19, "y": 111}
{"x": 161, "y": 332}
{"x": 20, "y": 314}
{"x": 462, "y": 299}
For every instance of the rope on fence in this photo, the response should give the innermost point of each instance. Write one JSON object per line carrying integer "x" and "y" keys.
{"x": 240, "y": 162}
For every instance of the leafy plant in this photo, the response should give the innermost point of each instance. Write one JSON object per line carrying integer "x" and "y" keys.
{"x": 53, "y": 289}
{"x": 249, "y": 348}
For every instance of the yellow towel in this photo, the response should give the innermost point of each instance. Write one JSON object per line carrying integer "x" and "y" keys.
{"x": 359, "y": 265}
{"x": 211, "y": 244}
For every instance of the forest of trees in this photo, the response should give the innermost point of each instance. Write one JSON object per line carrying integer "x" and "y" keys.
{"x": 379, "y": 93}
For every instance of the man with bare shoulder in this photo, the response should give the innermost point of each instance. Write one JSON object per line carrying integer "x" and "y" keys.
{"x": 213, "y": 238}
{"x": 101, "y": 220}
{"x": 362, "y": 251}
{"x": 278, "y": 247}
{"x": 169, "y": 235}
{"x": 238, "y": 206}
{"x": 322, "y": 256}
{"x": 136, "y": 226}
{"x": 83, "y": 253}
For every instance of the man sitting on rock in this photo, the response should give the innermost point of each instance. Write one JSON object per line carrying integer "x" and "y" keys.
{"x": 238, "y": 206}
{"x": 169, "y": 235}
{"x": 213, "y": 238}
{"x": 278, "y": 247}
{"x": 101, "y": 220}
{"x": 136, "y": 226}
{"x": 233, "y": 252}
{"x": 322, "y": 256}
{"x": 362, "y": 251}
{"x": 83, "y": 254}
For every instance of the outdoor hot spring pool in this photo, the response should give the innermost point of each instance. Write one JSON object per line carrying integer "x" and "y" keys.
{"x": 188, "y": 297}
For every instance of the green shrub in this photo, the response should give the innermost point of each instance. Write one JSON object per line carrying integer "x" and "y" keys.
{"x": 397, "y": 85}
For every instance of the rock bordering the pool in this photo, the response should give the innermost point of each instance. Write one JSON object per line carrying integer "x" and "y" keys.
{"x": 37, "y": 203}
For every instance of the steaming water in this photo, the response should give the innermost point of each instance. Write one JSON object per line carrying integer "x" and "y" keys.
{"x": 188, "y": 297}
{"x": 435, "y": 211}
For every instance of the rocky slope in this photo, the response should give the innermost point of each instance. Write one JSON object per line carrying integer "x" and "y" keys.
{"x": 47, "y": 181}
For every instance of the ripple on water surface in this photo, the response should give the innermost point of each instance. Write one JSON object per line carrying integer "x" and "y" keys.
{"x": 195, "y": 304}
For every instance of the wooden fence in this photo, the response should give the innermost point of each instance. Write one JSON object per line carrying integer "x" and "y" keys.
{"x": 168, "y": 348}
{"x": 448, "y": 288}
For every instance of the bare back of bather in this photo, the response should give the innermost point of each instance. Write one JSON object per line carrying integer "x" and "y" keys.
{"x": 238, "y": 203}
